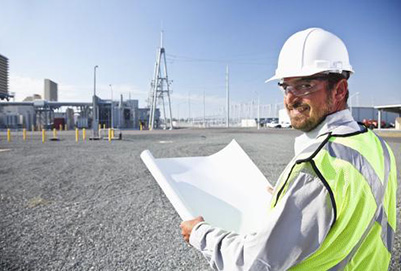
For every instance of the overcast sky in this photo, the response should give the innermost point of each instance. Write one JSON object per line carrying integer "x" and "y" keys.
{"x": 64, "y": 40}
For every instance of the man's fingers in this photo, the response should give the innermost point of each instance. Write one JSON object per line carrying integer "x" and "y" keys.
{"x": 187, "y": 226}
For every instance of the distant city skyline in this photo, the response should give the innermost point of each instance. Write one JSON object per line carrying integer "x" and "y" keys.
{"x": 64, "y": 40}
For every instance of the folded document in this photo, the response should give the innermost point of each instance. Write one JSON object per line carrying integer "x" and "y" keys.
{"x": 226, "y": 188}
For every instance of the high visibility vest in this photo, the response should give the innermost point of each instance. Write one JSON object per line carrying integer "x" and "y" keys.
{"x": 359, "y": 172}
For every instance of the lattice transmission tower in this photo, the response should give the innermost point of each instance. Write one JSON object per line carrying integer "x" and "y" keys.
{"x": 160, "y": 87}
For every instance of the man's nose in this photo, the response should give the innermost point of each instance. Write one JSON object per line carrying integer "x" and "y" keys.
{"x": 290, "y": 98}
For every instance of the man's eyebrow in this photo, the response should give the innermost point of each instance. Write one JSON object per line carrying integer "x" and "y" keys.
{"x": 303, "y": 79}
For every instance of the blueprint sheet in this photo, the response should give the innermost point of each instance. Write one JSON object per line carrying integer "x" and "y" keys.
{"x": 226, "y": 188}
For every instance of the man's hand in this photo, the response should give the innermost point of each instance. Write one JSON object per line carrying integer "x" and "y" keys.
{"x": 187, "y": 226}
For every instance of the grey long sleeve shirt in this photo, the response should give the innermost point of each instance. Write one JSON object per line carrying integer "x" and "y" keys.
{"x": 296, "y": 228}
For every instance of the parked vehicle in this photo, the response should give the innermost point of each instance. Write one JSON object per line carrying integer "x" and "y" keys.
{"x": 273, "y": 124}
{"x": 373, "y": 124}
{"x": 285, "y": 125}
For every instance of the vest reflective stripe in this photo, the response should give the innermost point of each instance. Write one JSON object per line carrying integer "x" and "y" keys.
{"x": 387, "y": 162}
{"x": 378, "y": 189}
{"x": 387, "y": 231}
{"x": 361, "y": 164}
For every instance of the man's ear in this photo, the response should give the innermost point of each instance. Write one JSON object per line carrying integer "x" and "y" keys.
{"x": 340, "y": 91}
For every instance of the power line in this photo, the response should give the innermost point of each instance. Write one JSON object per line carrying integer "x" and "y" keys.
{"x": 174, "y": 58}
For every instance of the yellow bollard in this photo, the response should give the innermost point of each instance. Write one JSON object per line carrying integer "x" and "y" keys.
{"x": 43, "y": 135}
{"x": 24, "y": 134}
{"x": 76, "y": 134}
{"x": 83, "y": 134}
{"x": 54, "y": 133}
{"x": 60, "y": 127}
{"x": 140, "y": 126}
{"x": 100, "y": 127}
{"x": 112, "y": 133}
{"x": 8, "y": 135}
{"x": 109, "y": 134}
{"x": 104, "y": 126}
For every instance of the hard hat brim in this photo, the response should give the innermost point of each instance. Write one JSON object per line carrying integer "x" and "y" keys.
{"x": 305, "y": 74}
{"x": 272, "y": 79}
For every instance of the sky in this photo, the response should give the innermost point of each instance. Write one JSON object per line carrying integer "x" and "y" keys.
{"x": 64, "y": 40}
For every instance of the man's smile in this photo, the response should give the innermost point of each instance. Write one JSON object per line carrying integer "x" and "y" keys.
{"x": 298, "y": 109}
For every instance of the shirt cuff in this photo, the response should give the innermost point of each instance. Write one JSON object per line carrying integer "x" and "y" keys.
{"x": 197, "y": 234}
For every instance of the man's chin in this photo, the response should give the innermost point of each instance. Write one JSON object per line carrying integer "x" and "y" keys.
{"x": 302, "y": 125}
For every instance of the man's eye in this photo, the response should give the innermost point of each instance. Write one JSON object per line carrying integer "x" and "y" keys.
{"x": 305, "y": 86}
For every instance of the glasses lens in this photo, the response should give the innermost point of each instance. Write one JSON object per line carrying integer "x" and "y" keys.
{"x": 302, "y": 87}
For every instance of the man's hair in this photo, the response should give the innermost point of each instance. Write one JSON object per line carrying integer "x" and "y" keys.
{"x": 334, "y": 78}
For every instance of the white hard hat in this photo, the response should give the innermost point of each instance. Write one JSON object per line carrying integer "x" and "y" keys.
{"x": 312, "y": 51}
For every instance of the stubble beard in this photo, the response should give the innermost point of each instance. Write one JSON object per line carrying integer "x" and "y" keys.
{"x": 316, "y": 116}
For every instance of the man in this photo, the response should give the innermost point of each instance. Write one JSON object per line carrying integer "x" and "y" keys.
{"x": 333, "y": 207}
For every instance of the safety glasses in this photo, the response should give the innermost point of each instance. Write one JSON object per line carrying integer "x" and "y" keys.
{"x": 302, "y": 86}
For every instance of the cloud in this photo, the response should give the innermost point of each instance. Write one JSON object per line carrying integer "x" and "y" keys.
{"x": 25, "y": 86}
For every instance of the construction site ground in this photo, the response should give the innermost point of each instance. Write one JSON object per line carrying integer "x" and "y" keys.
{"x": 93, "y": 205}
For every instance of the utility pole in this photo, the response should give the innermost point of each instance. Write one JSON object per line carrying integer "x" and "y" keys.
{"x": 204, "y": 110}
{"x": 258, "y": 111}
{"x": 189, "y": 107}
{"x": 227, "y": 99}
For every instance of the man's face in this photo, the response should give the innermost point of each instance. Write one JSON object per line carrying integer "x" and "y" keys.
{"x": 307, "y": 102}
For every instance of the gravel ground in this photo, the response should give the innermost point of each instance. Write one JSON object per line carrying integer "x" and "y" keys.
{"x": 94, "y": 206}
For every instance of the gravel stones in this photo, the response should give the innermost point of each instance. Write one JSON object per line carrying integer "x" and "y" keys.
{"x": 94, "y": 206}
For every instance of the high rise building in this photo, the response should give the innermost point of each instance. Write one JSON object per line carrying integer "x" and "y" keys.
{"x": 3, "y": 78}
{"x": 51, "y": 90}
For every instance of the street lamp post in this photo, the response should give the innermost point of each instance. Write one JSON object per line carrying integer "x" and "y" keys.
{"x": 350, "y": 100}
{"x": 95, "y": 132}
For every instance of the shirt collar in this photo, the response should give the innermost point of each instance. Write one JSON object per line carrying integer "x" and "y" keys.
{"x": 340, "y": 122}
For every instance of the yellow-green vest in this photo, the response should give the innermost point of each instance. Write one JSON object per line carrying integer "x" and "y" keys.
{"x": 359, "y": 172}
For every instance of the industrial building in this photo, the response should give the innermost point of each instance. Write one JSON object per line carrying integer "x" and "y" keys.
{"x": 43, "y": 114}
{"x": 35, "y": 113}
{"x": 4, "y": 78}
{"x": 361, "y": 113}
{"x": 51, "y": 90}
